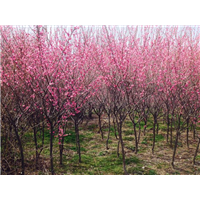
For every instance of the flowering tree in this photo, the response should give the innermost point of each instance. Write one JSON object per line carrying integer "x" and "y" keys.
{"x": 52, "y": 75}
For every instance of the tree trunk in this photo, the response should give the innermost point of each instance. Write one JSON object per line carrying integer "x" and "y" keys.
{"x": 90, "y": 112}
{"x": 175, "y": 147}
{"x": 77, "y": 139}
{"x": 154, "y": 134}
{"x": 61, "y": 151}
{"x": 171, "y": 129}
{"x": 21, "y": 150}
{"x": 115, "y": 129}
{"x": 196, "y": 152}
{"x": 100, "y": 128}
{"x": 145, "y": 126}
{"x": 187, "y": 136}
{"x": 43, "y": 133}
{"x": 168, "y": 123}
{"x": 122, "y": 145}
{"x": 51, "y": 148}
{"x": 118, "y": 148}
{"x": 108, "y": 131}
{"x": 176, "y": 142}
{"x": 157, "y": 127}
{"x": 136, "y": 142}
{"x": 194, "y": 130}
{"x": 36, "y": 147}
{"x": 139, "y": 132}
{"x": 61, "y": 147}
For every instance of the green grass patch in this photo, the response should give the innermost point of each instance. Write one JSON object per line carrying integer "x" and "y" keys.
{"x": 136, "y": 170}
{"x": 158, "y": 138}
{"x": 128, "y": 132}
{"x": 144, "y": 141}
{"x": 74, "y": 149}
{"x": 129, "y": 124}
{"x": 92, "y": 127}
{"x": 128, "y": 138}
{"x": 131, "y": 160}
{"x": 151, "y": 172}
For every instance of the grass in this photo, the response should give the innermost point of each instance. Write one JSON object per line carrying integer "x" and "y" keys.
{"x": 151, "y": 172}
{"x": 97, "y": 160}
{"x": 133, "y": 159}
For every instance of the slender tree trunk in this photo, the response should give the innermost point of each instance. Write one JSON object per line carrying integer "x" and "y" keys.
{"x": 194, "y": 130}
{"x": 145, "y": 126}
{"x": 61, "y": 151}
{"x": 176, "y": 141}
{"x": 61, "y": 146}
{"x": 90, "y": 112}
{"x": 118, "y": 148}
{"x": 77, "y": 139}
{"x": 171, "y": 130}
{"x": 43, "y": 134}
{"x": 36, "y": 147}
{"x": 108, "y": 131}
{"x": 21, "y": 150}
{"x": 157, "y": 127}
{"x": 168, "y": 123}
{"x": 115, "y": 129}
{"x": 51, "y": 148}
{"x": 196, "y": 152}
{"x": 175, "y": 147}
{"x": 136, "y": 142}
{"x": 139, "y": 132}
{"x": 9, "y": 149}
{"x": 122, "y": 145}
{"x": 187, "y": 136}
{"x": 154, "y": 134}
{"x": 100, "y": 128}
